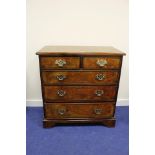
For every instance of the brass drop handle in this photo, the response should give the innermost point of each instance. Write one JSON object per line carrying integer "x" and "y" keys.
{"x": 101, "y": 62}
{"x": 61, "y": 77}
{"x": 98, "y": 111}
{"x": 61, "y": 92}
{"x": 100, "y": 77}
{"x": 60, "y": 62}
{"x": 99, "y": 92}
{"x": 61, "y": 111}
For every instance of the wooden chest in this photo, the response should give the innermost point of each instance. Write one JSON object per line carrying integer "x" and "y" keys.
{"x": 79, "y": 84}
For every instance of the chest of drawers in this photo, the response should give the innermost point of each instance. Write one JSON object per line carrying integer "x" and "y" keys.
{"x": 79, "y": 84}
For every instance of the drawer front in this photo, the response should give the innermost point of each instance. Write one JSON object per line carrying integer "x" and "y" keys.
{"x": 79, "y": 93}
{"x": 83, "y": 77}
{"x": 60, "y": 62}
{"x": 93, "y": 110}
{"x": 102, "y": 62}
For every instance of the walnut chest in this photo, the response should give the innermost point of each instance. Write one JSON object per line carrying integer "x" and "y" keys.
{"x": 79, "y": 84}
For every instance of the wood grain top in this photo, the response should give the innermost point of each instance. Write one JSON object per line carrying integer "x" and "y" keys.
{"x": 79, "y": 50}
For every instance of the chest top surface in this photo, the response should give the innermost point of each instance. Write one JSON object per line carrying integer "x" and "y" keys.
{"x": 79, "y": 50}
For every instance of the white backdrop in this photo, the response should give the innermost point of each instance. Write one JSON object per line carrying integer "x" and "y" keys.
{"x": 75, "y": 22}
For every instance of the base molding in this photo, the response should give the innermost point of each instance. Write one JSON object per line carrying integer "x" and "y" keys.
{"x": 109, "y": 122}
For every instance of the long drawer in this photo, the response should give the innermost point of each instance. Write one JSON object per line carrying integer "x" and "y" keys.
{"x": 82, "y": 110}
{"x": 80, "y": 93}
{"x": 80, "y": 77}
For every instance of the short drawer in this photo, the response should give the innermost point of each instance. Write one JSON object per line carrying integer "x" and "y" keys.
{"x": 80, "y": 77}
{"x": 102, "y": 62}
{"x": 60, "y": 62}
{"x": 82, "y": 110}
{"x": 79, "y": 93}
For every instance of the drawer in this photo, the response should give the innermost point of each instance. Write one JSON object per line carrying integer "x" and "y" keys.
{"x": 80, "y": 77}
{"x": 79, "y": 93}
{"x": 60, "y": 62}
{"x": 102, "y": 62}
{"x": 82, "y": 110}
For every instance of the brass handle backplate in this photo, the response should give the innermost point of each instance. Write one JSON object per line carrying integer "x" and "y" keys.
{"x": 60, "y": 62}
{"x": 61, "y": 77}
{"x": 100, "y": 77}
{"x": 61, "y": 111}
{"x": 98, "y": 111}
{"x": 99, "y": 92}
{"x": 61, "y": 92}
{"x": 101, "y": 62}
